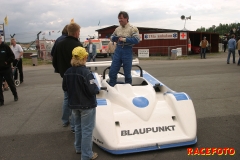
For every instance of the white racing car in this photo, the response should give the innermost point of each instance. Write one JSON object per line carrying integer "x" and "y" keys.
{"x": 144, "y": 116}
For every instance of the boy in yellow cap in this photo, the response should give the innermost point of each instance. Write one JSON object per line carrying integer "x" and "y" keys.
{"x": 79, "y": 83}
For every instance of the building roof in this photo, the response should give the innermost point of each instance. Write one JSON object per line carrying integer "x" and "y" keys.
{"x": 142, "y": 29}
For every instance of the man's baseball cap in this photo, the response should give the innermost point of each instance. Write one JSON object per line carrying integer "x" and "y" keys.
{"x": 79, "y": 52}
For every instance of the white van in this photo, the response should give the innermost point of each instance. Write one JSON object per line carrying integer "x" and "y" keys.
{"x": 101, "y": 45}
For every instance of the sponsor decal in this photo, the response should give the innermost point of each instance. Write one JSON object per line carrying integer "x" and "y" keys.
{"x": 172, "y": 35}
{"x": 210, "y": 151}
{"x": 147, "y": 130}
{"x": 97, "y": 140}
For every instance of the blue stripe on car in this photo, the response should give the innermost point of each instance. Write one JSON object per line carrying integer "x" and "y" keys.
{"x": 150, "y": 78}
{"x": 101, "y": 102}
{"x": 151, "y": 148}
{"x": 180, "y": 96}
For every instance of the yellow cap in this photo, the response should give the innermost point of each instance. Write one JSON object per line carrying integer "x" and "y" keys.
{"x": 80, "y": 52}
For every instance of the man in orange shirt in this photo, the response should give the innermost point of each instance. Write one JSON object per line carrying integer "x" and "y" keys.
{"x": 203, "y": 45}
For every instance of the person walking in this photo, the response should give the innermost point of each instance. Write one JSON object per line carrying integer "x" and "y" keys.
{"x": 18, "y": 52}
{"x": 231, "y": 48}
{"x": 126, "y": 36}
{"x": 111, "y": 48}
{"x": 61, "y": 62}
{"x": 79, "y": 83}
{"x": 225, "y": 44}
{"x": 92, "y": 51}
{"x": 6, "y": 58}
{"x": 203, "y": 45}
{"x": 238, "y": 48}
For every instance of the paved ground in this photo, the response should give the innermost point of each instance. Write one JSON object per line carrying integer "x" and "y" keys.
{"x": 31, "y": 129}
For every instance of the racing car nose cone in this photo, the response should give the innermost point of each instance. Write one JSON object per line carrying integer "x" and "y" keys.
{"x": 140, "y": 102}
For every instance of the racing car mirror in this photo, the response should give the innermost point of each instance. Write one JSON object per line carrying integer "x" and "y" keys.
{"x": 104, "y": 88}
{"x": 157, "y": 87}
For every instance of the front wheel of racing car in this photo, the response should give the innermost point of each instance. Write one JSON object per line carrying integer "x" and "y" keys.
{"x": 16, "y": 82}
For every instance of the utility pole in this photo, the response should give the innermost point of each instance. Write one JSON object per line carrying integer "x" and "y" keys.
{"x": 34, "y": 41}
{"x": 38, "y": 35}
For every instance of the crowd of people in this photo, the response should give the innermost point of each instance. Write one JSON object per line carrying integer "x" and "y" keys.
{"x": 69, "y": 60}
{"x": 230, "y": 45}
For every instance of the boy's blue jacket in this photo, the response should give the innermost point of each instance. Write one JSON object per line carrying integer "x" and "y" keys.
{"x": 81, "y": 88}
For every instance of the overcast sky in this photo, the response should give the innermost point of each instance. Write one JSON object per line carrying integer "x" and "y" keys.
{"x": 26, "y": 18}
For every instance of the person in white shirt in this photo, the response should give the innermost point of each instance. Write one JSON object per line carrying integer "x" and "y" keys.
{"x": 18, "y": 52}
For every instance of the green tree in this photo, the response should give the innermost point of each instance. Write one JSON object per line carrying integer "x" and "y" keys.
{"x": 221, "y": 29}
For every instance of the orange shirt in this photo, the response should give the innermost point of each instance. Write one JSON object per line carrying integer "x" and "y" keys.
{"x": 204, "y": 43}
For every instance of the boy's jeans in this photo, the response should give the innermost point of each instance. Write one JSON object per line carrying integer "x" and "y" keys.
{"x": 84, "y": 125}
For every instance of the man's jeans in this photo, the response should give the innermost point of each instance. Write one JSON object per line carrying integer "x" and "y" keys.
{"x": 84, "y": 125}
{"x": 203, "y": 52}
{"x": 112, "y": 54}
{"x": 122, "y": 57}
{"x": 90, "y": 56}
{"x": 230, "y": 50}
{"x": 67, "y": 112}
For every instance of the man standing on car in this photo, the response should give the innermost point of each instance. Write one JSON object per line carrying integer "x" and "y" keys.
{"x": 203, "y": 45}
{"x": 18, "y": 52}
{"x": 61, "y": 62}
{"x": 126, "y": 36}
{"x": 6, "y": 58}
{"x": 92, "y": 51}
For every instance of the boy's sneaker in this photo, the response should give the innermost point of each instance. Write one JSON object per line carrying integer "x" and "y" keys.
{"x": 95, "y": 155}
{"x": 72, "y": 130}
{"x": 78, "y": 152}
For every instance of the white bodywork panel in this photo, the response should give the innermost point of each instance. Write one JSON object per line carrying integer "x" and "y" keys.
{"x": 136, "y": 118}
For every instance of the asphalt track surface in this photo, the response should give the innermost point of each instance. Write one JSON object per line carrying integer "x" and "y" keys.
{"x": 31, "y": 128}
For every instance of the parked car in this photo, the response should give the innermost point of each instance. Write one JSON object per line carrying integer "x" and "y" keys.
{"x": 142, "y": 116}
{"x": 196, "y": 49}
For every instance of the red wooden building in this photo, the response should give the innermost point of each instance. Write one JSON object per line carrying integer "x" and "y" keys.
{"x": 161, "y": 41}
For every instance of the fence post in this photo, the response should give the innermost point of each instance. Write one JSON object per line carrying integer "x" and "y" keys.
{"x": 168, "y": 52}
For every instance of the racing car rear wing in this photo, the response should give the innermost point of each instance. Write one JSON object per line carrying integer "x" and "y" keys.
{"x": 107, "y": 63}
